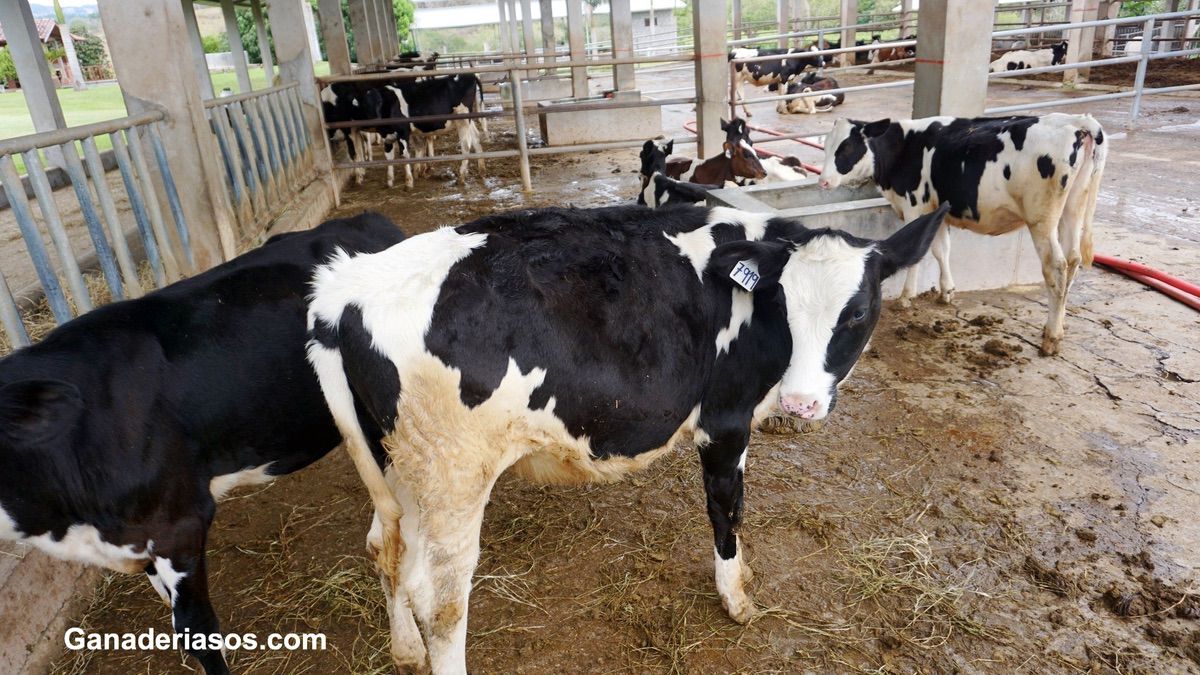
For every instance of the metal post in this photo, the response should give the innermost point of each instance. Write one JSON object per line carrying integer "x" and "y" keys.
{"x": 737, "y": 19}
{"x": 527, "y": 30}
{"x": 168, "y": 179}
{"x": 579, "y": 76}
{"x": 10, "y": 317}
{"x": 502, "y": 26}
{"x": 622, "y": 43}
{"x": 333, "y": 27}
{"x": 116, "y": 231}
{"x": 546, "y": 12}
{"x": 58, "y": 234}
{"x": 165, "y": 246}
{"x": 104, "y": 252}
{"x": 33, "y": 240}
{"x": 783, "y": 12}
{"x": 1139, "y": 80}
{"x": 125, "y": 164}
{"x": 711, "y": 68}
{"x": 519, "y": 120}
{"x": 264, "y": 40}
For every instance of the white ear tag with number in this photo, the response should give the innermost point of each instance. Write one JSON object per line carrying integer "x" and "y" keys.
{"x": 745, "y": 274}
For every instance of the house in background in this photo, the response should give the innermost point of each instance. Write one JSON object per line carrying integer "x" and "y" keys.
{"x": 55, "y": 36}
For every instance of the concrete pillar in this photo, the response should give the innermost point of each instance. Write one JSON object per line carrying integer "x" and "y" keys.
{"x": 502, "y": 26}
{"x": 906, "y": 17}
{"x": 622, "y": 41}
{"x": 27, "y": 55}
{"x": 783, "y": 12}
{"x": 374, "y": 31}
{"x": 546, "y": 11}
{"x": 712, "y": 73}
{"x": 527, "y": 30}
{"x": 362, "y": 32}
{"x": 1190, "y": 29}
{"x": 310, "y": 32}
{"x": 197, "y": 49}
{"x": 77, "y": 80}
{"x": 384, "y": 33}
{"x": 394, "y": 41}
{"x": 264, "y": 41}
{"x": 514, "y": 27}
{"x": 135, "y": 29}
{"x": 333, "y": 28}
{"x": 235, "y": 46}
{"x": 953, "y": 52}
{"x": 737, "y": 19}
{"x": 1081, "y": 41}
{"x": 849, "y": 17}
{"x": 575, "y": 38}
{"x": 296, "y": 65}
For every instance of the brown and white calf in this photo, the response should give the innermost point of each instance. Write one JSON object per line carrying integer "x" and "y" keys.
{"x": 998, "y": 174}
{"x": 672, "y": 180}
{"x": 577, "y": 345}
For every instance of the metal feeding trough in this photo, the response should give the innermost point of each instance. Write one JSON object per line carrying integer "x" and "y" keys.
{"x": 978, "y": 262}
{"x": 598, "y": 125}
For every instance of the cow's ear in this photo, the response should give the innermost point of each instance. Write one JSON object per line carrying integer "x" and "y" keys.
{"x": 876, "y": 128}
{"x": 33, "y": 411}
{"x": 750, "y": 265}
{"x": 910, "y": 243}
{"x": 670, "y": 147}
{"x": 724, "y": 125}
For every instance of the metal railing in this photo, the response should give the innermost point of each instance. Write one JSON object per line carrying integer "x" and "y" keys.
{"x": 167, "y": 249}
{"x": 518, "y": 111}
{"x": 1138, "y": 90}
{"x": 266, "y": 149}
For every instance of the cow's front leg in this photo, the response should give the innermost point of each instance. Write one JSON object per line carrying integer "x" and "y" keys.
{"x": 941, "y": 253}
{"x": 179, "y": 574}
{"x": 724, "y": 462}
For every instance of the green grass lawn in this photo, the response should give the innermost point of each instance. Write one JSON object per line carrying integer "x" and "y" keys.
{"x": 101, "y": 102}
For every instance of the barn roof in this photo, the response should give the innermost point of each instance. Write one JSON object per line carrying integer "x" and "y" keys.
{"x": 46, "y": 29}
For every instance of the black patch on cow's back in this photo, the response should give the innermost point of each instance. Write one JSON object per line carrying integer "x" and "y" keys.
{"x": 372, "y": 376}
{"x": 1045, "y": 166}
{"x": 1017, "y": 128}
{"x": 1064, "y": 180}
{"x": 1079, "y": 136}
{"x": 1007, "y": 172}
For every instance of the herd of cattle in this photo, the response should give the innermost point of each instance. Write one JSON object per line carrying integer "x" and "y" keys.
{"x": 569, "y": 345}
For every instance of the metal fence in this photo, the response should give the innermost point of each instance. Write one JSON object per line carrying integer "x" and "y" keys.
{"x": 518, "y": 111}
{"x": 1148, "y": 26}
{"x": 266, "y": 149}
{"x": 166, "y": 244}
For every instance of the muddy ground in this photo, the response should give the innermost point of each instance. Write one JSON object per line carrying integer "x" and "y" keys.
{"x": 969, "y": 506}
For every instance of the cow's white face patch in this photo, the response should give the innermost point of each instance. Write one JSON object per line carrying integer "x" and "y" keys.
{"x": 818, "y": 281}
{"x": 329, "y": 96}
{"x": 848, "y": 158}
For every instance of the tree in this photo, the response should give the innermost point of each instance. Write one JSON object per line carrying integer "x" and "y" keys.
{"x": 90, "y": 48}
{"x": 404, "y": 18}
{"x": 249, "y": 33}
{"x": 215, "y": 43}
{"x": 8, "y": 69}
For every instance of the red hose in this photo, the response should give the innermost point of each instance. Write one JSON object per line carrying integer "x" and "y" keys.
{"x": 1172, "y": 287}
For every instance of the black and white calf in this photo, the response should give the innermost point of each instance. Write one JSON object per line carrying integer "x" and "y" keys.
{"x": 121, "y": 430}
{"x": 578, "y": 345}
{"x": 771, "y": 73}
{"x": 681, "y": 179}
{"x": 1023, "y": 59}
{"x": 817, "y": 102}
{"x": 997, "y": 174}
{"x": 452, "y": 94}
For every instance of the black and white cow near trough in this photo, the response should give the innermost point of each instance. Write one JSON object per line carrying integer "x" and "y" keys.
{"x": 997, "y": 174}
{"x": 121, "y": 430}
{"x": 578, "y": 345}
{"x": 445, "y": 95}
{"x": 771, "y": 73}
{"x": 1023, "y": 59}
{"x": 662, "y": 178}
{"x": 818, "y": 102}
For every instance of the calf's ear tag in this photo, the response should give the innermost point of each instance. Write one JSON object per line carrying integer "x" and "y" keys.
{"x": 745, "y": 274}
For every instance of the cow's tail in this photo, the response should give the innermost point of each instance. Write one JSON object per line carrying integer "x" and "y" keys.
{"x": 1099, "y": 157}
{"x": 326, "y": 359}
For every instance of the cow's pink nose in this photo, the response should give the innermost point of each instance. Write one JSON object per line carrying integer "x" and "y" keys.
{"x": 802, "y": 406}
{"x": 824, "y": 183}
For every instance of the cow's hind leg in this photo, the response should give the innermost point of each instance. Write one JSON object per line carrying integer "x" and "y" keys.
{"x": 724, "y": 461}
{"x": 1054, "y": 273}
{"x": 408, "y": 649}
{"x": 941, "y": 253}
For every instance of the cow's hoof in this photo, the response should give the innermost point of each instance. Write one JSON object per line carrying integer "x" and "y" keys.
{"x": 410, "y": 667}
{"x": 946, "y": 297}
{"x": 1050, "y": 345}
{"x": 904, "y": 302}
{"x": 741, "y": 611}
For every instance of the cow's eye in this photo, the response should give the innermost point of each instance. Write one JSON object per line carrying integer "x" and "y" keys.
{"x": 858, "y": 316}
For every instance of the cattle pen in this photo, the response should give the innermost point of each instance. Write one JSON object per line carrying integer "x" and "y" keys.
{"x": 970, "y": 506}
